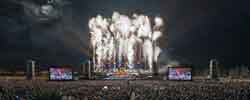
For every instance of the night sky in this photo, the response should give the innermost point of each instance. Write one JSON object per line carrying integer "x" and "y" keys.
{"x": 195, "y": 30}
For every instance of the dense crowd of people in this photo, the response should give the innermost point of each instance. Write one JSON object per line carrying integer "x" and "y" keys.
{"x": 124, "y": 90}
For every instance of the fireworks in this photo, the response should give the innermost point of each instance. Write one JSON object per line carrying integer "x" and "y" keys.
{"x": 125, "y": 39}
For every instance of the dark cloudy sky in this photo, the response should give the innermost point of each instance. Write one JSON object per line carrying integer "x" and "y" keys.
{"x": 195, "y": 30}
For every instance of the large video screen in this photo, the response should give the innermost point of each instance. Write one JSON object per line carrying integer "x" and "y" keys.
{"x": 180, "y": 73}
{"x": 60, "y": 73}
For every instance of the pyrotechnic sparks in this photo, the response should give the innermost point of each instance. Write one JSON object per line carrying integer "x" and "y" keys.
{"x": 123, "y": 39}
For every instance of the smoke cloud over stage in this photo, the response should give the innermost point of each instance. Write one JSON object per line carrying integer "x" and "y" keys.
{"x": 125, "y": 41}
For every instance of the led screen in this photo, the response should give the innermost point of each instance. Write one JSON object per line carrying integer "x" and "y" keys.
{"x": 60, "y": 74}
{"x": 180, "y": 73}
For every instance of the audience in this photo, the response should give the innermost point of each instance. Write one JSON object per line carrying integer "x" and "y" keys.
{"x": 124, "y": 90}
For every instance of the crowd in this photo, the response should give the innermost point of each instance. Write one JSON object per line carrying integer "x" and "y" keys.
{"x": 124, "y": 90}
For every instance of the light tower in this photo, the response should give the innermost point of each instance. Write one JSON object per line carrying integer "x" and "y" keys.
{"x": 213, "y": 69}
{"x": 30, "y": 69}
{"x": 89, "y": 69}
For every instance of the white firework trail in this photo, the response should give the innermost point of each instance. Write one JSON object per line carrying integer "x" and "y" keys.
{"x": 117, "y": 39}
